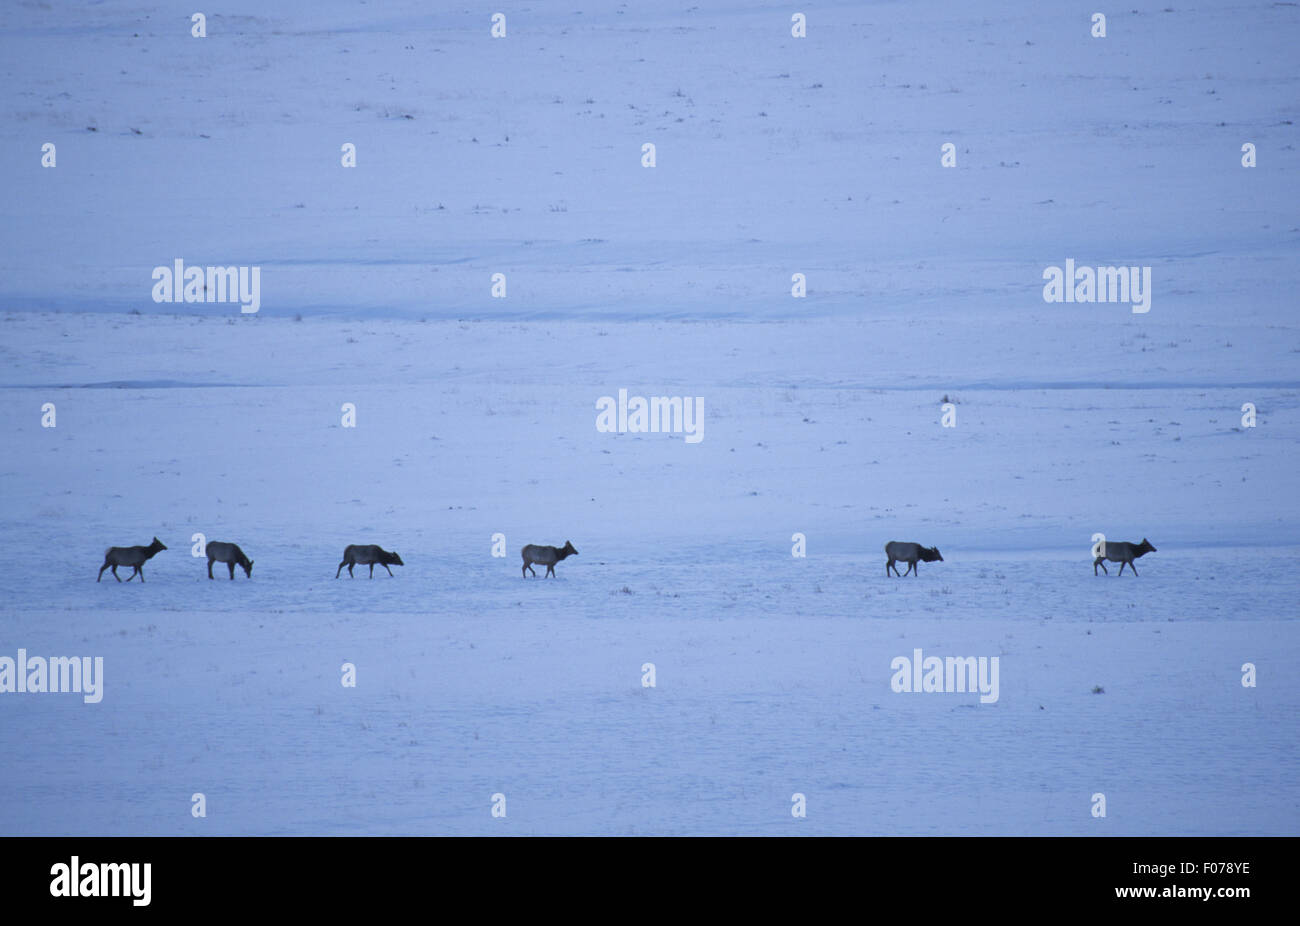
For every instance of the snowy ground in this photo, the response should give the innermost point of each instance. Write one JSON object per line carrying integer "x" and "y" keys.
{"x": 822, "y": 417}
{"x": 772, "y": 672}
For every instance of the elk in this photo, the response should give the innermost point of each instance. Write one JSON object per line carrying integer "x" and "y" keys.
{"x": 1122, "y": 553}
{"x": 368, "y": 554}
{"x": 231, "y": 555}
{"x": 545, "y": 556}
{"x": 135, "y": 557}
{"x": 909, "y": 553}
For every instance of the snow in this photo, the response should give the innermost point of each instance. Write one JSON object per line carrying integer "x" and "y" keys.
{"x": 822, "y": 417}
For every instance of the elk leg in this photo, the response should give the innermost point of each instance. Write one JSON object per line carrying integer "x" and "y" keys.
{"x": 232, "y": 571}
{"x": 115, "y": 575}
{"x": 372, "y": 570}
{"x": 1133, "y": 568}
{"x": 209, "y": 569}
{"x": 350, "y": 575}
{"x": 550, "y": 570}
{"x": 140, "y": 569}
{"x": 1122, "y": 564}
{"x": 390, "y": 572}
{"x": 101, "y": 572}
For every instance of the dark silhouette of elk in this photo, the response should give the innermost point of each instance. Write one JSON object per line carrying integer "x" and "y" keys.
{"x": 368, "y": 554}
{"x": 135, "y": 557}
{"x": 231, "y": 555}
{"x": 909, "y": 553}
{"x": 1122, "y": 553}
{"x": 545, "y": 556}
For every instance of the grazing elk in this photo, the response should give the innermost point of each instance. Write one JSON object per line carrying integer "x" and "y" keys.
{"x": 909, "y": 553}
{"x": 368, "y": 554}
{"x": 545, "y": 556}
{"x": 135, "y": 557}
{"x": 231, "y": 555}
{"x": 1122, "y": 553}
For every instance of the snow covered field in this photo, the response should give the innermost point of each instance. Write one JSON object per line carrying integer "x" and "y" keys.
{"x": 822, "y": 417}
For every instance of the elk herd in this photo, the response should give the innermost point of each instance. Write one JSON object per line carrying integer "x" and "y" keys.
{"x": 370, "y": 554}
{"x": 355, "y": 554}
